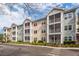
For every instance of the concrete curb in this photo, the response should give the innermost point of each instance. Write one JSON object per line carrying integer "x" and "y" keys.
{"x": 42, "y": 46}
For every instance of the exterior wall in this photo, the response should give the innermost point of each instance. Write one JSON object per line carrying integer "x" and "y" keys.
{"x": 39, "y": 28}
{"x": 67, "y": 22}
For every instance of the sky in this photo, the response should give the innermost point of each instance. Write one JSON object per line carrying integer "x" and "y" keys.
{"x": 18, "y": 12}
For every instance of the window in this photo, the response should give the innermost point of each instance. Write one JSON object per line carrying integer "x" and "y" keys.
{"x": 27, "y": 31}
{"x": 14, "y": 27}
{"x": 35, "y": 38}
{"x": 65, "y": 17}
{"x": 70, "y": 27}
{"x": 35, "y": 24}
{"x": 65, "y": 28}
{"x": 27, "y": 38}
{"x": 51, "y": 28}
{"x": 27, "y": 24}
{"x": 57, "y": 17}
{"x": 43, "y": 23}
{"x": 43, "y": 31}
{"x": 35, "y": 32}
{"x": 70, "y": 38}
{"x": 4, "y": 29}
{"x": 65, "y": 38}
{"x": 58, "y": 27}
{"x": 51, "y": 18}
{"x": 43, "y": 39}
{"x": 14, "y": 38}
{"x": 69, "y": 15}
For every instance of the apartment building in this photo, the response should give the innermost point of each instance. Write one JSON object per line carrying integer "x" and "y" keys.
{"x": 62, "y": 25}
{"x": 59, "y": 25}
{"x": 14, "y": 33}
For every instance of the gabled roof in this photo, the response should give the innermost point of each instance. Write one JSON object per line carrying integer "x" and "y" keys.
{"x": 6, "y": 28}
{"x": 13, "y": 24}
{"x": 27, "y": 19}
{"x": 57, "y": 8}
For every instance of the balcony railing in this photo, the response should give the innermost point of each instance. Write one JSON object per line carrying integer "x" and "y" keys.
{"x": 57, "y": 19}
{"x": 51, "y": 21}
{"x": 57, "y": 30}
{"x": 54, "y": 31}
{"x": 27, "y": 27}
{"x": 51, "y": 31}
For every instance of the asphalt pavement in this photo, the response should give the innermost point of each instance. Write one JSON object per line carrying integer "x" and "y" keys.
{"x": 17, "y": 50}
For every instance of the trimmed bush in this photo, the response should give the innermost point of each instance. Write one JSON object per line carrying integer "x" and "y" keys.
{"x": 49, "y": 44}
{"x": 40, "y": 41}
{"x": 3, "y": 42}
{"x": 19, "y": 41}
{"x": 8, "y": 41}
{"x": 69, "y": 42}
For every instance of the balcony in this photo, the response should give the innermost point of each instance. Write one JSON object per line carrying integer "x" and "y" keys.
{"x": 27, "y": 31}
{"x": 57, "y": 19}
{"x": 51, "y": 21}
{"x": 54, "y": 31}
{"x": 51, "y": 31}
{"x": 57, "y": 30}
{"x": 13, "y": 35}
{"x": 27, "y": 34}
{"x": 27, "y": 27}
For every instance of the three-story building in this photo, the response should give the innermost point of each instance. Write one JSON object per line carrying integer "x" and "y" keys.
{"x": 58, "y": 26}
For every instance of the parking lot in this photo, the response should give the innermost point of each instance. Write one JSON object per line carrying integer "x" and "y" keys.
{"x": 16, "y": 50}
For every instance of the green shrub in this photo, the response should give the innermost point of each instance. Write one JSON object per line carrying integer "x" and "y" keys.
{"x": 66, "y": 45}
{"x": 49, "y": 44}
{"x": 8, "y": 41}
{"x": 3, "y": 42}
{"x": 69, "y": 42}
{"x": 71, "y": 45}
{"x": 40, "y": 41}
{"x": 34, "y": 42}
{"x": 19, "y": 41}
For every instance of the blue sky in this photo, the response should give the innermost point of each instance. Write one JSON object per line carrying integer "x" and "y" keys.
{"x": 17, "y": 12}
